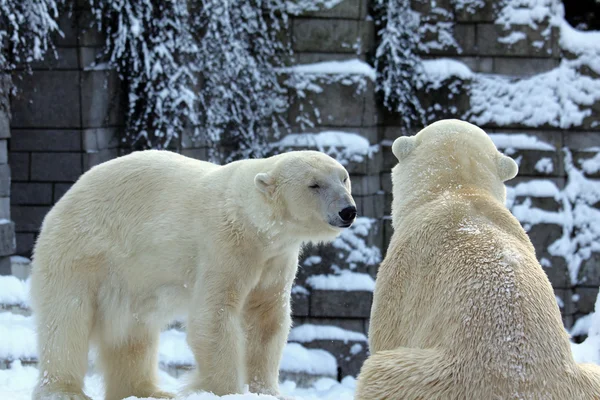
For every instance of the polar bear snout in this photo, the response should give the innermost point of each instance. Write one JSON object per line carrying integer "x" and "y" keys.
{"x": 348, "y": 215}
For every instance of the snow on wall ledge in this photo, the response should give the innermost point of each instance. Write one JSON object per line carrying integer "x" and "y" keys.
{"x": 577, "y": 216}
{"x": 309, "y": 332}
{"x": 346, "y": 67}
{"x": 344, "y": 146}
{"x": 562, "y": 97}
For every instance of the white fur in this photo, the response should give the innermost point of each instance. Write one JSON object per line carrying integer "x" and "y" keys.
{"x": 462, "y": 309}
{"x": 148, "y": 237}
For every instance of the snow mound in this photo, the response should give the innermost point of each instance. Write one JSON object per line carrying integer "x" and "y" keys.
{"x": 346, "y": 67}
{"x": 17, "y": 383}
{"x": 343, "y": 280}
{"x": 343, "y": 146}
{"x": 589, "y": 350}
{"x": 18, "y": 342}
{"x": 439, "y": 70}
{"x": 13, "y": 291}
{"x": 519, "y": 141}
{"x": 17, "y": 337}
{"x": 297, "y": 358}
{"x": 591, "y": 165}
{"x": 309, "y": 332}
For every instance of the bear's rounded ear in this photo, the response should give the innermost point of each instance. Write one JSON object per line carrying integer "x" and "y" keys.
{"x": 403, "y": 146}
{"x": 265, "y": 183}
{"x": 507, "y": 168}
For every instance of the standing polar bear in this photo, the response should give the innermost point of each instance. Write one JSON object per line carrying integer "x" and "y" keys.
{"x": 148, "y": 237}
{"x": 462, "y": 309}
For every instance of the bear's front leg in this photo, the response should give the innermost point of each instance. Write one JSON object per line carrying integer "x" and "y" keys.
{"x": 268, "y": 323}
{"x": 216, "y": 337}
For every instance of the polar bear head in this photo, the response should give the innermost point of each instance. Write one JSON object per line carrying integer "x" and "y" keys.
{"x": 311, "y": 192}
{"x": 448, "y": 153}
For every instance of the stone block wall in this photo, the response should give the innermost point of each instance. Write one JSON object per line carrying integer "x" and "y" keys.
{"x": 66, "y": 118}
{"x": 7, "y": 227}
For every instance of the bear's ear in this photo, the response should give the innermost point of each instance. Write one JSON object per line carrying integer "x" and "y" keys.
{"x": 403, "y": 146}
{"x": 507, "y": 168}
{"x": 265, "y": 183}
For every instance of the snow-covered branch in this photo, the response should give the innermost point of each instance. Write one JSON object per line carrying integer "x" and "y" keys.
{"x": 25, "y": 29}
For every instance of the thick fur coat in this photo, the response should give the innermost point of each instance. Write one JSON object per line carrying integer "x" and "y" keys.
{"x": 152, "y": 236}
{"x": 462, "y": 309}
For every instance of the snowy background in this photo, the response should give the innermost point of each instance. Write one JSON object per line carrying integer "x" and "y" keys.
{"x": 345, "y": 77}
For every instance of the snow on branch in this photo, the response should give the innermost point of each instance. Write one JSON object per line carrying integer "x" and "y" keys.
{"x": 150, "y": 45}
{"x": 238, "y": 55}
{"x": 208, "y": 68}
{"x": 396, "y": 61}
{"x": 25, "y": 29}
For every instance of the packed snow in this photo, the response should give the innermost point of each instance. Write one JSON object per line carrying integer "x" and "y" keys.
{"x": 520, "y": 141}
{"x": 13, "y": 291}
{"x": 346, "y": 67}
{"x": 343, "y": 280}
{"x": 344, "y": 146}
{"x": 591, "y": 165}
{"x": 544, "y": 165}
{"x": 589, "y": 350}
{"x": 440, "y": 70}
{"x": 309, "y": 332}
{"x": 17, "y": 383}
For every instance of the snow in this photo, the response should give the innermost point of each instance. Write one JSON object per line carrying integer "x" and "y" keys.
{"x": 17, "y": 382}
{"x": 19, "y": 260}
{"x": 13, "y": 291}
{"x": 560, "y": 98}
{"x": 582, "y": 325}
{"x": 343, "y": 280}
{"x": 520, "y": 141}
{"x": 18, "y": 340}
{"x": 351, "y": 241}
{"x": 347, "y": 67}
{"x": 589, "y": 350}
{"x": 439, "y": 70}
{"x": 297, "y": 7}
{"x": 312, "y": 260}
{"x": 533, "y": 188}
{"x": 544, "y": 165}
{"x": 309, "y": 332}
{"x": 578, "y": 42}
{"x": 527, "y": 12}
{"x": 27, "y": 32}
{"x": 513, "y": 38}
{"x": 591, "y": 165}
{"x": 300, "y": 290}
{"x": 297, "y": 358}
{"x": 343, "y": 146}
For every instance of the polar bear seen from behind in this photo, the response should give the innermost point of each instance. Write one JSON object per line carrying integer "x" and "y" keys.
{"x": 462, "y": 309}
{"x": 151, "y": 236}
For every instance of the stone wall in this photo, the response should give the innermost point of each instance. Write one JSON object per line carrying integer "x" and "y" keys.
{"x": 66, "y": 118}
{"x": 7, "y": 227}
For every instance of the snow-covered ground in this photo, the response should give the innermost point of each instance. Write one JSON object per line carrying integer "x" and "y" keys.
{"x": 17, "y": 383}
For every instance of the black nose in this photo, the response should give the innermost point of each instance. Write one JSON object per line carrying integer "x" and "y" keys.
{"x": 348, "y": 213}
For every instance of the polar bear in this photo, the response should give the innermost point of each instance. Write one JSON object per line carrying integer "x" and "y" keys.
{"x": 152, "y": 236}
{"x": 462, "y": 308}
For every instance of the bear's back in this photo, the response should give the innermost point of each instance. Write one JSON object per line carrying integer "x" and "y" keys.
{"x": 466, "y": 279}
